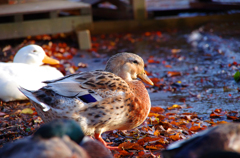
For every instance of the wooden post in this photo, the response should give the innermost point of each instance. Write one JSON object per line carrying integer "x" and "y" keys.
{"x": 84, "y": 39}
{"x": 139, "y": 9}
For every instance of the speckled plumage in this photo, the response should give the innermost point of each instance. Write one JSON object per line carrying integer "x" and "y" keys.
{"x": 122, "y": 101}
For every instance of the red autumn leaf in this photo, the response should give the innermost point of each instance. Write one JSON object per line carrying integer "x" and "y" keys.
{"x": 147, "y": 33}
{"x": 170, "y": 114}
{"x": 173, "y": 73}
{"x": 35, "y": 113}
{"x": 129, "y": 145}
{"x": 141, "y": 153}
{"x": 149, "y": 139}
{"x": 153, "y": 114}
{"x": 195, "y": 128}
{"x": 155, "y": 80}
{"x": 214, "y": 115}
{"x": 218, "y": 110}
{"x": 232, "y": 117}
{"x": 159, "y": 33}
{"x": 168, "y": 66}
{"x": 234, "y": 63}
{"x": 123, "y": 153}
{"x": 148, "y": 73}
{"x": 152, "y": 61}
{"x": 157, "y": 110}
{"x": 182, "y": 99}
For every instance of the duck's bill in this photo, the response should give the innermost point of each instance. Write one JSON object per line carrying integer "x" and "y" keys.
{"x": 48, "y": 60}
{"x": 145, "y": 78}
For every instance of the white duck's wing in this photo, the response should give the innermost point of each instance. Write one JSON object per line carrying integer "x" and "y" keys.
{"x": 86, "y": 86}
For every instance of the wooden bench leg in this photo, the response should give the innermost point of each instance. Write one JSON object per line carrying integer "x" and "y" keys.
{"x": 84, "y": 39}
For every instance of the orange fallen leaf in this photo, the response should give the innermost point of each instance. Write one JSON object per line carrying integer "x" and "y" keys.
{"x": 175, "y": 106}
{"x": 123, "y": 153}
{"x": 174, "y": 51}
{"x": 168, "y": 66}
{"x": 153, "y": 114}
{"x": 232, "y": 117}
{"x": 214, "y": 115}
{"x": 157, "y": 110}
{"x": 147, "y": 33}
{"x": 155, "y": 80}
{"x": 129, "y": 145}
{"x": 221, "y": 122}
{"x": 173, "y": 73}
{"x": 175, "y": 137}
{"x": 154, "y": 147}
{"x": 150, "y": 139}
{"x": 156, "y": 133}
{"x": 218, "y": 110}
{"x": 195, "y": 128}
{"x": 141, "y": 153}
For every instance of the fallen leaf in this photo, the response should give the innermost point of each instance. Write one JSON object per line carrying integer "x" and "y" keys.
{"x": 173, "y": 73}
{"x": 27, "y": 111}
{"x": 157, "y": 110}
{"x": 154, "y": 147}
{"x": 175, "y": 106}
{"x": 175, "y": 137}
{"x": 149, "y": 139}
{"x": 129, "y": 145}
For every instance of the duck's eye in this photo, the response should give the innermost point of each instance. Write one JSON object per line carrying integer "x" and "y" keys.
{"x": 34, "y": 50}
{"x": 135, "y": 61}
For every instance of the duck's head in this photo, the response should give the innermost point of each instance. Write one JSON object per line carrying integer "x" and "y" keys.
{"x": 33, "y": 54}
{"x": 128, "y": 66}
{"x": 59, "y": 128}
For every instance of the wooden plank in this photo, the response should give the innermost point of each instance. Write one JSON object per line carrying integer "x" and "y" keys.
{"x": 156, "y": 24}
{"x": 215, "y": 5}
{"x": 40, "y": 6}
{"x": 111, "y": 13}
{"x": 18, "y": 17}
{"x": 46, "y": 26}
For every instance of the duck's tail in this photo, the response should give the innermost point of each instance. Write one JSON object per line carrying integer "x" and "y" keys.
{"x": 30, "y": 95}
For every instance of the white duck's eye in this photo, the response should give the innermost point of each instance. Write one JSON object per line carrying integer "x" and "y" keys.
{"x": 34, "y": 50}
{"x": 135, "y": 62}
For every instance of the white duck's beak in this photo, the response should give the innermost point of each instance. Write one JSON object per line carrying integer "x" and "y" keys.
{"x": 48, "y": 60}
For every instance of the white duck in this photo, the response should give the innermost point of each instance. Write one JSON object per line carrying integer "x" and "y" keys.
{"x": 26, "y": 71}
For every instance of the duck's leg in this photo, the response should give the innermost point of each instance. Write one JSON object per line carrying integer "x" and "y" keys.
{"x": 99, "y": 138}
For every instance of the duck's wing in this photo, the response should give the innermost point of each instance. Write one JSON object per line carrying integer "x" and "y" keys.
{"x": 86, "y": 86}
